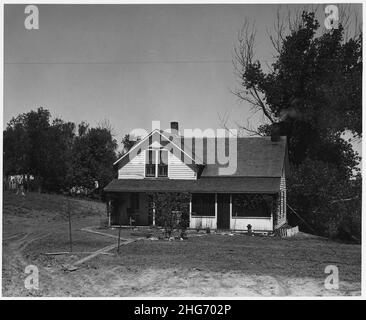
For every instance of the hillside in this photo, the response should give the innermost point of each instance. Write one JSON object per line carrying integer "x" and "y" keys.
{"x": 204, "y": 265}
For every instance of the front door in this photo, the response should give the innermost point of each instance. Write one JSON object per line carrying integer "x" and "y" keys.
{"x": 223, "y": 211}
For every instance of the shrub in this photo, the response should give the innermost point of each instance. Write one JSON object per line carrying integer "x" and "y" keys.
{"x": 171, "y": 211}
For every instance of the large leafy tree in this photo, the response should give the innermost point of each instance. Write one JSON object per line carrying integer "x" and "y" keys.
{"x": 61, "y": 136}
{"x": 35, "y": 146}
{"x": 55, "y": 155}
{"x": 312, "y": 91}
{"x": 93, "y": 154}
{"x": 16, "y": 148}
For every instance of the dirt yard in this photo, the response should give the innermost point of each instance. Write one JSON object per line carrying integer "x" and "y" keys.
{"x": 203, "y": 265}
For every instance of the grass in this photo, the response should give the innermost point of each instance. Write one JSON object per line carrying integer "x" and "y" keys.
{"x": 52, "y": 204}
{"x": 295, "y": 257}
{"x": 205, "y": 257}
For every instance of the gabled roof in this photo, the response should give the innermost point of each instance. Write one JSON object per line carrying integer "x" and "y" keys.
{"x": 144, "y": 143}
{"x": 255, "y": 156}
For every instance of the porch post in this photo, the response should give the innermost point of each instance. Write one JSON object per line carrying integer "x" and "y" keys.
{"x": 108, "y": 205}
{"x": 216, "y": 209}
{"x": 153, "y": 213}
{"x": 190, "y": 209}
{"x": 231, "y": 209}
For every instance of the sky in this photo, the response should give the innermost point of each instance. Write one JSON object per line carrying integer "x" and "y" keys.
{"x": 131, "y": 64}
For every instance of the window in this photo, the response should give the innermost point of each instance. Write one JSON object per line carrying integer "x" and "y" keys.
{"x": 251, "y": 205}
{"x": 156, "y": 163}
{"x": 163, "y": 163}
{"x": 203, "y": 204}
{"x": 150, "y": 163}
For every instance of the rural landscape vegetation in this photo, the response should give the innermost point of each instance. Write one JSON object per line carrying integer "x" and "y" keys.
{"x": 313, "y": 91}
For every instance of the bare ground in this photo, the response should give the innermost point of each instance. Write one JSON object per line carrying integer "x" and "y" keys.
{"x": 209, "y": 265}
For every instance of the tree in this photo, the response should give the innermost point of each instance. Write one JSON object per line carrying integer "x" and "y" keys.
{"x": 37, "y": 124}
{"x": 312, "y": 91}
{"x": 93, "y": 155}
{"x": 61, "y": 137}
{"x": 34, "y": 146}
{"x": 330, "y": 204}
{"x": 16, "y": 148}
{"x": 54, "y": 155}
{"x": 128, "y": 142}
{"x": 313, "y": 77}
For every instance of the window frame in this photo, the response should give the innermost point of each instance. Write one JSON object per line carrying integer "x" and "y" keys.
{"x": 163, "y": 165}
{"x": 155, "y": 163}
{"x": 244, "y": 215}
{"x": 150, "y": 165}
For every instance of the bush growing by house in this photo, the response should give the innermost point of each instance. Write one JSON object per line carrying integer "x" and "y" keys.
{"x": 171, "y": 211}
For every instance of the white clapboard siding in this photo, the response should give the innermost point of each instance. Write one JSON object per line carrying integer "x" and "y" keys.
{"x": 203, "y": 222}
{"x": 282, "y": 205}
{"x": 258, "y": 224}
{"x": 288, "y": 232}
{"x": 179, "y": 170}
{"x": 134, "y": 169}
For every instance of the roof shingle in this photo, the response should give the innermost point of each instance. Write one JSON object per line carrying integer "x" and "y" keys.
{"x": 216, "y": 184}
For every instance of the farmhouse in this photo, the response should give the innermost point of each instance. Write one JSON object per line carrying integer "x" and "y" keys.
{"x": 251, "y": 192}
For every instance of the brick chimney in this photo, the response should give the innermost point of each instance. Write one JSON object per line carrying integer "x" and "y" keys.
{"x": 275, "y": 132}
{"x": 174, "y": 127}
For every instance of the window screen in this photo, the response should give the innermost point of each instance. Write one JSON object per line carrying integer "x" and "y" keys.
{"x": 203, "y": 204}
{"x": 251, "y": 205}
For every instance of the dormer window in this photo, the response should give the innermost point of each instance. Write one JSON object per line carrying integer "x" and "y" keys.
{"x": 156, "y": 164}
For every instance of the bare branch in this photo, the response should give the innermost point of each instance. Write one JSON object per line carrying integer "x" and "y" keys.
{"x": 243, "y": 55}
{"x": 223, "y": 122}
{"x": 248, "y": 129}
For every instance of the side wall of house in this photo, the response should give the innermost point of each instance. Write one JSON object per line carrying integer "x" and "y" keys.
{"x": 282, "y": 204}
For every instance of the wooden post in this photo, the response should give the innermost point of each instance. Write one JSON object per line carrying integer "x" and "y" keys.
{"x": 231, "y": 211}
{"x": 109, "y": 211}
{"x": 119, "y": 239}
{"x": 154, "y": 211}
{"x": 190, "y": 210}
{"x": 216, "y": 209}
{"x": 119, "y": 234}
{"x": 69, "y": 214}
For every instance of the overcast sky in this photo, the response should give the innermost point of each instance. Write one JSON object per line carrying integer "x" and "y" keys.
{"x": 130, "y": 64}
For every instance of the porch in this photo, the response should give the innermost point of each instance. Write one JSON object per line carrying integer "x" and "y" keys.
{"x": 206, "y": 210}
{"x": 215, "y": 203}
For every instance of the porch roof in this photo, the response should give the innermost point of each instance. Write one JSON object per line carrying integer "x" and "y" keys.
{"x": 211, "y": 185}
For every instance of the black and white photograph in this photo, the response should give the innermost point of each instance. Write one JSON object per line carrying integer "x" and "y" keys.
{"x": 180, "y": 150}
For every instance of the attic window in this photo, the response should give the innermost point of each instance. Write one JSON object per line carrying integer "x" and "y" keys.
{"x": 163, "y": 163}
{"x": 156, "y": 163}
{"x": 150, "y": 163}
